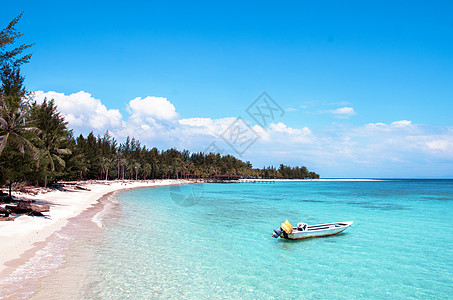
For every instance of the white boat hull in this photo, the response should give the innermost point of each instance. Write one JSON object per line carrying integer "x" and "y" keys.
{"x": 317, "y": 231}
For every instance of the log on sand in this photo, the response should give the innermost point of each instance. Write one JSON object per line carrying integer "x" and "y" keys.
{"x": 5, "y": 212}
{"x": 78, "y": 187}
{"x": 25, "y": 207}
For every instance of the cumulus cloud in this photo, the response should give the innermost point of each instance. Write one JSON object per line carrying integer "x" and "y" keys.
{"x": 82, "y": 111}
{"x": 158, "y": 108}
{"x": 344, "y": 112}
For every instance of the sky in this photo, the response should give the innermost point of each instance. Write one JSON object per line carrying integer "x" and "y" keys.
{"x": 354, "y": 88}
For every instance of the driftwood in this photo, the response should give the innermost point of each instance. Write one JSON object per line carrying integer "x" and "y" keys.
{"x": 40, "y": 208}
{"x": 36, "y": 214}
{"x": 78, "y": 187}
{"x": 25, "y": 207}
{"x": 5, "y": 198}
{"x": 4, "y": 211}
{"x": 6, "y": 219}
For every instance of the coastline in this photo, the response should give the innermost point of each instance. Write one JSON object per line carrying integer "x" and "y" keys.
{"x": 319, "y": 179}
{"x": 26, "y": 235}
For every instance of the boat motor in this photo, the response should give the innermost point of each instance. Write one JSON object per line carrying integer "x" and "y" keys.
{"x": 277, "y": 233}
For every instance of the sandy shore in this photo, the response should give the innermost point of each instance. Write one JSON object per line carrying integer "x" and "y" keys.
{"x": 26, "y": 233}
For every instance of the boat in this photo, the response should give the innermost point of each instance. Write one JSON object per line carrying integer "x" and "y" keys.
{"x": 305, "y": 231}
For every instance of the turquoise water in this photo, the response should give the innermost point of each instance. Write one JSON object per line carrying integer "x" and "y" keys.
{"x": 400, "y": 246}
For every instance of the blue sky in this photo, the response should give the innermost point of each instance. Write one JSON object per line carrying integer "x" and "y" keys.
{"x": 343, "y": 71}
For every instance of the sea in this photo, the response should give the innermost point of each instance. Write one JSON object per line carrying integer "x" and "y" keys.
{"x": 213, "y": 241}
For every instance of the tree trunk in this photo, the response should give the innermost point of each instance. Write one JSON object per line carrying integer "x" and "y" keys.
{"x": 106, "y": 174}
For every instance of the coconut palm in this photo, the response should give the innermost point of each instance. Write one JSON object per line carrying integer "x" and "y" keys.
{"x": 16, "y": 130}
{"x": 130, "y": 169}
{"x": 50, "y": 158}
{"x": 123, "y": 164}
{"x": 147, "y": 168}
{"x": 119, "y": 156}
{"x": 136, "y": 167}
{"x": 105, "y": 164}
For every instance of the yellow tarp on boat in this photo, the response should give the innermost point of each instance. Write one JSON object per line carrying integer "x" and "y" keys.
{"x": 287, "y": 227}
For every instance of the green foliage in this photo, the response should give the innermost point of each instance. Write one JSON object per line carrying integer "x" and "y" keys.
{"x": 8, "y": 36}
{"x": 53, "y": 139}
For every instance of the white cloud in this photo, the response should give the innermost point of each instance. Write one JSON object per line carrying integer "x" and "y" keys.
{"x": 344, "y": 112}
{"x": 82, "y": 111}
{"x": 439, "y": 145}
{"x": 401, "y": 123}
{"x": 156, "y": 107}
{"x": 206, "y": 126}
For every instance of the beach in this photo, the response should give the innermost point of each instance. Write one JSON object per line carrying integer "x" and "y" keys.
{"x": 26, "y": 235}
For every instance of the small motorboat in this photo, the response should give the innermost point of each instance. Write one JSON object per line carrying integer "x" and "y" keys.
{"x": 304, "y": 231}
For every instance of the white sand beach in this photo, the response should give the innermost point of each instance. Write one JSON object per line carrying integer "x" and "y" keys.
{"x": 26, "y": 234}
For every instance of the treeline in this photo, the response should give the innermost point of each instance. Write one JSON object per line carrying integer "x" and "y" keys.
{"x": 37, "y": 147}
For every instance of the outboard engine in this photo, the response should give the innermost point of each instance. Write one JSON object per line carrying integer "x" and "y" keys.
{"x": 277, "y": 233}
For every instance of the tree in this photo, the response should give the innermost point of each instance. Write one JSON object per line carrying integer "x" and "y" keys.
{"x": 15, "y": 129}
{"x": 8, "y": 36}
{"x": 136, "y": 167}
{"x": 147, "y": 168}
{"x": 54, "y": 136}
{"x": 106, "y": 163}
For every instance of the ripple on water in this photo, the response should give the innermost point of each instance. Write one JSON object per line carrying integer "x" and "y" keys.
{"x": 222, "y": 248}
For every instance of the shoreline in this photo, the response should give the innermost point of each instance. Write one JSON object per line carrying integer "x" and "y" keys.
{"x": 302, "y": 180}
{"x": 26, "y": 235}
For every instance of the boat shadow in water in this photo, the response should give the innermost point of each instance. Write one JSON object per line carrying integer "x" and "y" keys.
{"x": 286, "y": 244}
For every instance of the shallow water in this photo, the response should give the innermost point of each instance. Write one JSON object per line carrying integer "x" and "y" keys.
{"x": 400, "y": 246}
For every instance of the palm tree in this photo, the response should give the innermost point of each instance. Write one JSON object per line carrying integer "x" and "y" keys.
{"x": 119, "y": 156}
{"x": 123, "y": 164}
{"x": 147, "y": 168}
{"x": 50, "y": 155}
{"x": 105, "y": 164}
{"x": 130, "y": 169}
{"x": 164, "y": 169}
{"x": 136, "y": 167}
{"x": 176, "y": 166}
{"x": 16, "y": 130}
